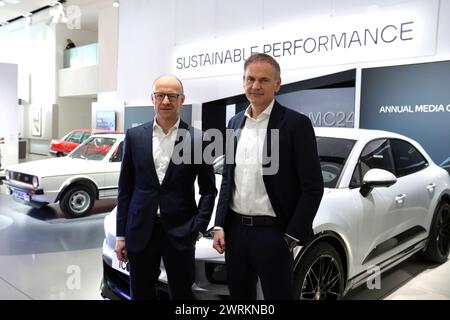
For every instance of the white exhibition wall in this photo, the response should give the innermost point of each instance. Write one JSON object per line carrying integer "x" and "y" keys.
{"x": 152, "y": 33}
{"x": 9, "y": 130}
{"x": 38, "y": 51}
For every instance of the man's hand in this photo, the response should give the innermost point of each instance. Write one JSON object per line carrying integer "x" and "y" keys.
{"x": 121, "y": 251}
{"x": 219, "y": 241}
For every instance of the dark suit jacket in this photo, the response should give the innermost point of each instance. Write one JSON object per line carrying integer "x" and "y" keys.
{"x": 296, "y": 189}
{"x": 140, "y": 192}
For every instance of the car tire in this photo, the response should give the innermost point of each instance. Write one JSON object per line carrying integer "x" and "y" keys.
{"x": 438, "y": 247}
{"x": 319, "y": 274}
{"x": 59, "y": 154}
{"x": 77, "y": 201}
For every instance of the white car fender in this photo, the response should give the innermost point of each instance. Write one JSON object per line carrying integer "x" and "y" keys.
{"x": 72, "y": 180}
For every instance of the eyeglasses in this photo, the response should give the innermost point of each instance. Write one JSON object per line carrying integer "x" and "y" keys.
{"x": 173, "y": 97}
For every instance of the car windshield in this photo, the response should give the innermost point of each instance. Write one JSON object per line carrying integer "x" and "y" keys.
{"x": 95, "y": 148}
{"x": 333, "y": 153}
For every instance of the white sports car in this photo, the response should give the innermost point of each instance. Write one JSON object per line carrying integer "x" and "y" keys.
{"x": 384, "y": 200}
{"x": 89, "y": 172}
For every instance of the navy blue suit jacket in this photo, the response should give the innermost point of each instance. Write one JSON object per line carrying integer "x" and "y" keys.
{"x": 296, "y": 189}
{"x": 140, "y": 192}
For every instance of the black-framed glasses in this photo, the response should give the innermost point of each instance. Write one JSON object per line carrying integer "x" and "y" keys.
{"x": 173, "y": 97}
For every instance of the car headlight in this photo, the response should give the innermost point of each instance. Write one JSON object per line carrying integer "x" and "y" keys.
{"x": 35, "y": 181}
{"x": 216, "y": 273}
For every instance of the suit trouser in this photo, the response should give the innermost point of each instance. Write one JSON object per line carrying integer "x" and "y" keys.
{"x": 145, "y": 268}
{"x": 254, "y": 252}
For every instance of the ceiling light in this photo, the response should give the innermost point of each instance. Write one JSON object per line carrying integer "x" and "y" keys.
{"x": 27, "y": 17}
{"x": 57, "y": 12}
{"x": 116, "y": 4}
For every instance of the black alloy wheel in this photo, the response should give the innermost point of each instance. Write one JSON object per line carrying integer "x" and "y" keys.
{"x": 438, "y": 247}
{"x": 320, "y": 274}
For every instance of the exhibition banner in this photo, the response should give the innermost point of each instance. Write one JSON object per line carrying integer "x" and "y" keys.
{"x": 332, "y": 107}
{"x": 413, "y": 100}
{"x": 401, "y": 30}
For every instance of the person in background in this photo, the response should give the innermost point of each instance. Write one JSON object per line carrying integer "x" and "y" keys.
{"x": 70, "y": 44}
{"x": 263, "y": 214}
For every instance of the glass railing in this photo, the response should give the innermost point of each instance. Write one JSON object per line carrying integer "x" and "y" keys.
{"x": 81, "y": 56}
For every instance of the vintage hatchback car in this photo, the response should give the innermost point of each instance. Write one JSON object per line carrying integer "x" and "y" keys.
{"x": 72, "y": 140}
{"x": 384, "y": 201}
{"x": 89, "y": 172}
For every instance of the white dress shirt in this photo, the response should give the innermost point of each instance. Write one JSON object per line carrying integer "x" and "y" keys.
{"x": 163, "y": 145}
{"x": 249, "y": 196}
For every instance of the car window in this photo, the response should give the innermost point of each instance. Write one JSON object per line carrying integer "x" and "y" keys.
{"x": 95, "y": 148}
{"x": 86, "y": 135}
{"x": 117, "y": 154}
{"x": 333, "y": 154}
{"x": 407, "y": 158}
{"x": 75, "y": 137}
{"x": 377, "y": 154}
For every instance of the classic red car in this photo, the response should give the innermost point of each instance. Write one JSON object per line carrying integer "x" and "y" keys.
{"x": 71, "y": 140}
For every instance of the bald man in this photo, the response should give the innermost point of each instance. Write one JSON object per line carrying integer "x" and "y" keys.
{"x": 157, "y": 215}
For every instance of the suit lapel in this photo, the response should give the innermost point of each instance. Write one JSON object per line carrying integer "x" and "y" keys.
{"x": 240, "y": 122}
{"x": 275, "y": 123}
{"x": 238, "y": 125}
{"x": 171, "y": 167}
{"x": 147, "y": 139}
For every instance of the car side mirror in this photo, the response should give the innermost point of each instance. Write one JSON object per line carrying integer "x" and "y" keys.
{"x": 375, "y": 178}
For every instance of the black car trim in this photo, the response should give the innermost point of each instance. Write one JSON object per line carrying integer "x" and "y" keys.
{"x": 387, "y": 264}
{"x": 109, "y": 188}
{"x": 394, "y": 242}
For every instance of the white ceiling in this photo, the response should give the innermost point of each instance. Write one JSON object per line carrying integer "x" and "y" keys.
{"x": 16, "y": 8}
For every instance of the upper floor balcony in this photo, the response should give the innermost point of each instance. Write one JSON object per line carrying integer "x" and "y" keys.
{"x": 79, "y": 76}
{"x": 81, "y": 56}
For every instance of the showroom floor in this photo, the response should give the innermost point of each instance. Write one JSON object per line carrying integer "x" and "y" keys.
{"x": 44, "y": 255}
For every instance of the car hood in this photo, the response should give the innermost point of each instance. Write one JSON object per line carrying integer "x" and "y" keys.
{"x": 58, "y": 166}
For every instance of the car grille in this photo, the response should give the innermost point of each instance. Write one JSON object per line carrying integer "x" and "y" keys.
{"x": 22, "y": 177}
{"x": 118, "y": 279}
{"x": 119, "y": 283}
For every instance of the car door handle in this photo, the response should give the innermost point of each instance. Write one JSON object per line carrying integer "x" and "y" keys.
{"x": 400, "y": 198}
{"x": 431, "y": 187}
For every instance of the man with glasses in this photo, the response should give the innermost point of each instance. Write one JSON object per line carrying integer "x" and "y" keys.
{"x": 157, "y": 216}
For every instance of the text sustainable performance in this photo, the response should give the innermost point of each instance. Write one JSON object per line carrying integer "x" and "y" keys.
{"x": 346, "y": 40}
